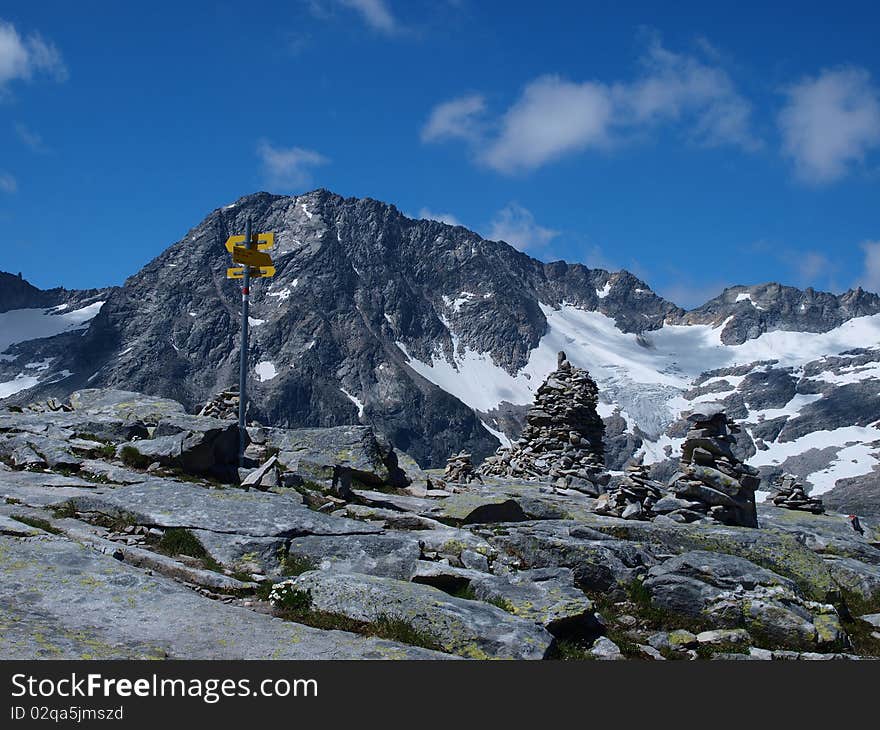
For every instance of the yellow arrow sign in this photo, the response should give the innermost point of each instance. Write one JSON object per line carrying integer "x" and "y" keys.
{"x": 263, "y": 272}
{"x": 265, "y": 241}
{"x": 250, "y": 257}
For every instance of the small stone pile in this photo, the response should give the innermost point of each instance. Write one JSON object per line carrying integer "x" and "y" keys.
{"x": 562, "y": 439}
{"x": 223, "y": 406}
{"x": 633, "y": 498}
{"x": 791, "y": 495}
{"x": 710, "y": 476}
{"x": 460, "y": 470}
{"x": 53, "y": 405}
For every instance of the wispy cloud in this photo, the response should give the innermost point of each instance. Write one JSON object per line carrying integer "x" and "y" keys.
{"x": 516, "y": 225}
{"x": 8, "y": 184}
{"x": 870, "y": 278}
{"x": 288, "y": 167}
{"x": 30, "y": 138}
{"x": 376, "y": 14}
{"x": 455, "y": 119}
{"x": 810, "y": 267}
{"x": 24, "y": 57}
{"x": 447, "y": 218}
{"x": 829, "y": 123}
{"x": 554, "y": 116}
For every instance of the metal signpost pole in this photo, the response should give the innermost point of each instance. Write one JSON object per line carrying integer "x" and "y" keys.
{"x": 243, "y": 361}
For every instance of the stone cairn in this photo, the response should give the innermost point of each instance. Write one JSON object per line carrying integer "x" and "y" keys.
{"x": 223, "y": 406}
{"x": 711, "y": 478}
{"x": 791, "y": 495}
{"x": 634, "y": 497}
{"x": 53, "y": 405}
{"x": 562, "y": 438}
{"x": 460, "y": 470}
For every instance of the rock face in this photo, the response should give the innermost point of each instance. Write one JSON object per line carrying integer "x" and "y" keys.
{"x": 790, "y": 494}
{"x": 717, "y": 483}
{"x": 562, "y": 439}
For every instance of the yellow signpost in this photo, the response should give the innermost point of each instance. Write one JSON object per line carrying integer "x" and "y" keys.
{"x": 250, "y": 257}
{"x": 248, "y": 250}
{"x": 265, "y": 241}
{"x": 263, "y": 272}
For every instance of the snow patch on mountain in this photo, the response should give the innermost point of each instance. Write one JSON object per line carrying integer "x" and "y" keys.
{"x": 265, "y": 370}
{"x": 21, "y": 325}
{"x": 354, "y": 399}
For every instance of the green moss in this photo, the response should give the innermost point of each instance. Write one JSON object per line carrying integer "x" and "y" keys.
{"x": 65, "y": 509}
{"x": 297, "y": 606}
{"x": 293, "y": 564}
{"x": 12, "y": 500}
{"x": 133, "y": 458}
{"x": 178, "y": 541}
{"x": 36, "y": 522}
{"x": 567, "y": 650}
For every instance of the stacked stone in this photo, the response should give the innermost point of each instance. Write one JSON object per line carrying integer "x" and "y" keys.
{"x": 562, "y": 438}
{"x": 791, "y": 495}
{"x": 224, "y": 405}
{"x": 634, "y": 497}
{"x": 710, "y": 477}
{"x": 460, "y": 470}
{"x": 53, "y": 405}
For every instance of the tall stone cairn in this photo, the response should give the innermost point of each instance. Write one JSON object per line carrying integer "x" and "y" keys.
{"x": 562, "y": 438}
{"x": 790, "y": 494}
{"x": 710, "y": 477}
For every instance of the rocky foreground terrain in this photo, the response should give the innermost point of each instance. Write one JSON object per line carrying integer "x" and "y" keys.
{"x": 126, "y": 530}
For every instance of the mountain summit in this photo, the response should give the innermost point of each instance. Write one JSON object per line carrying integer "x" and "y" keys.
{"x": 440, "y": 338}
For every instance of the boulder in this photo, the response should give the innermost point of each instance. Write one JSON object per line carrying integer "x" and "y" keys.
{"x": 731, "y": 592}
{"x": 318, "y": 454}
{"x": 193, "y": 444}
{"x": 468, "y": 628}
{"x": 125, "y": 405}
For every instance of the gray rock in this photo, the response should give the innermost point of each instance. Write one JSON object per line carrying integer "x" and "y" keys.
{"x": 318, "y": 454}
{"x": 91, "y": 606}
{"x": 605, "y": 649}
{"x": 723, "y": 590}
{"x": 468, "y": 628}
{"x": 125, "y": 405}
{"x": 167, "y": 503}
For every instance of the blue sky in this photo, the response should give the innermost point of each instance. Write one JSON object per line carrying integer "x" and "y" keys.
{"x": 700, "y": 147}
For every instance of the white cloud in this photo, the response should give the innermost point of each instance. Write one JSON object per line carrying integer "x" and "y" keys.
{"x": 871, "y": 276}
{"x": 516, "y": 225}
{"x": 288, "y": 167}
{"x": 8, "y": 184}
{"x": 22, "y": 58}
{"x": 554, "y": 117}
{"x": 455, "y": 119}
{"x": 447, "y": 218}
{"x": 830, "y": 122}
{"x": 376, "y": 13}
